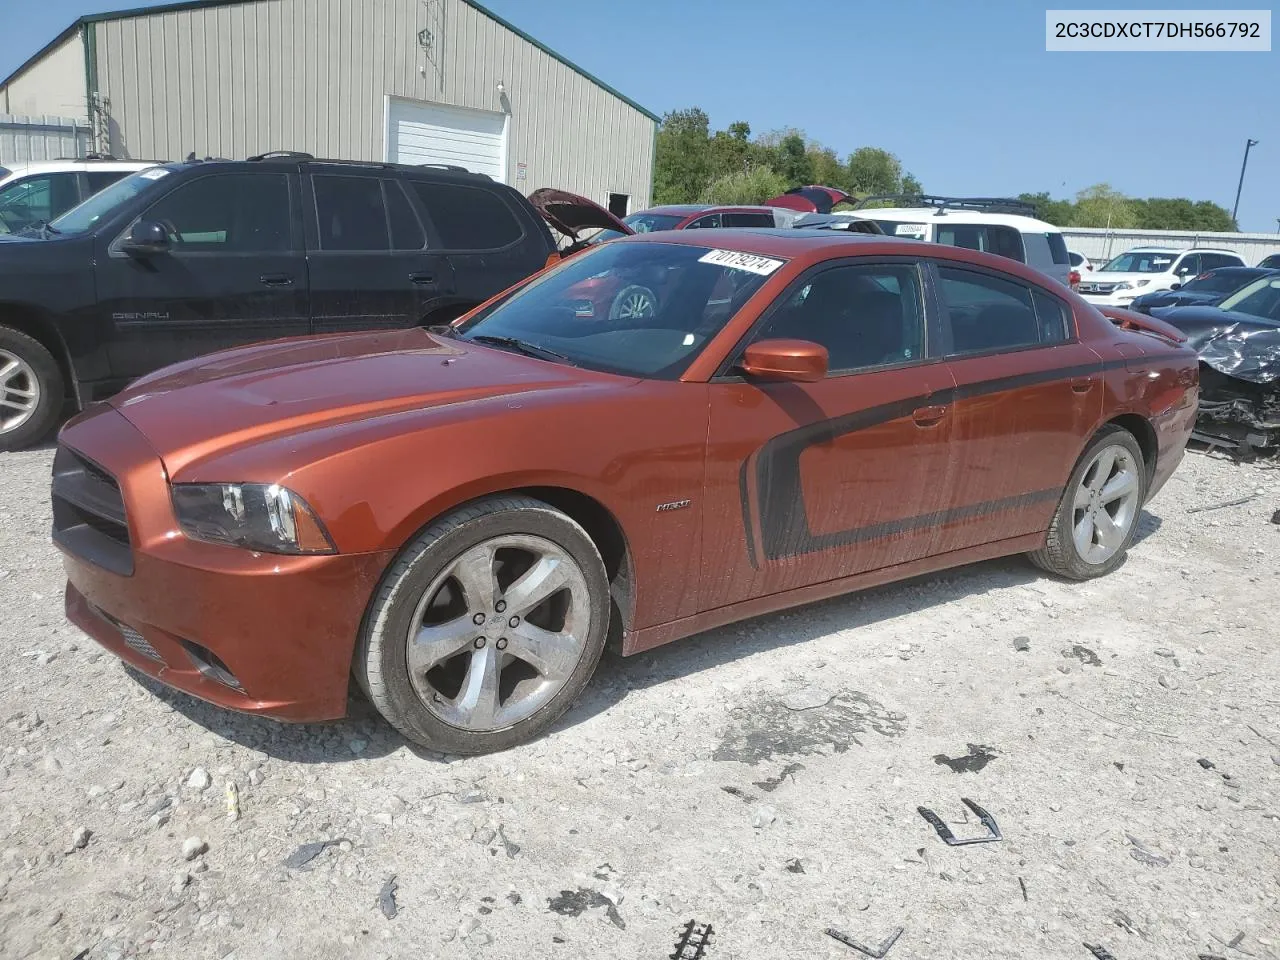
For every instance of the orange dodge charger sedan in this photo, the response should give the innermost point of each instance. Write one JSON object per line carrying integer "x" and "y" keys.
{"x": 461, "y": 518}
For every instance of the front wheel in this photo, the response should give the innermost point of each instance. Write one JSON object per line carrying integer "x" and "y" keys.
{"x": 31, "y": 390}
{"x": 1097, "y": 518}
{"x": 487, "y": 628}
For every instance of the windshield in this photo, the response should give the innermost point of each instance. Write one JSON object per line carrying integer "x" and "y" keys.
{"x": 639, "y": 309}
{"x": 1140, "y": 263}
{"x": 640, "y": 223}
{"x": 1220, "y": 281}
{"x": 1260, "y": 298}
{"x": 85, "y": 217}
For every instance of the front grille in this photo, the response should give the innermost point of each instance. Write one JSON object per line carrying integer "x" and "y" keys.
{"x": 132, "y": 638}
{"x": 88, "y": 512}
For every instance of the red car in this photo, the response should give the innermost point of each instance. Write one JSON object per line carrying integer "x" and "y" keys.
{"x": 462, "y": 520}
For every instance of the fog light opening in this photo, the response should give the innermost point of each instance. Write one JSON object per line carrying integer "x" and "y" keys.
{"x": 211, "y": 666}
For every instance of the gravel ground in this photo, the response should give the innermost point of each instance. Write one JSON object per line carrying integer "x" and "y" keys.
{"x": 763, "y": 778}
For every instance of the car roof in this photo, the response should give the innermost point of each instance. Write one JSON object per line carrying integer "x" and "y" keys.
{"x": 71, "y": 164}
{"x": 292, "y": 161}
{"x": 943, "y": 215}
{"x": 678, "y": 208}
{"x": 1176, "y": 250}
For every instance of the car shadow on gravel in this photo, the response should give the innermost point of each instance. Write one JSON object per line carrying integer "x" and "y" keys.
{"x": 363, "y": 734}
{"x": 616, "y": 675}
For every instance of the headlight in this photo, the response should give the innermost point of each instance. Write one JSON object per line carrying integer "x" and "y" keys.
{"x": 258, "y": 516}
{"x": 1141, "y": 283}
{"x": 1122, "y": 285}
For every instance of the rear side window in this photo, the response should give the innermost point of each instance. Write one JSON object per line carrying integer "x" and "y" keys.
{"x": 406, "y": 231}
{"x": 1212, "y": 261}
{"x": 711, "y": 220}
{"x": 1058, "y": 247}
{"x": 988, "y": 313}
{"x": 468, "y": 218}
{"x": 989, "y": 238}
{"x": 747, "y": 219}
{"x": 351, "y": 214}
{"x": 101, "y": 179}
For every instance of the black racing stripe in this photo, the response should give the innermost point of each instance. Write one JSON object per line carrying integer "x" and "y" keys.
{"x": 879, "y": 531}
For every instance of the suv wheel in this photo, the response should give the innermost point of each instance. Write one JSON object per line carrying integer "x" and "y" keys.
{"x": 31, "y": 390}
{"x": 487, "y": 627}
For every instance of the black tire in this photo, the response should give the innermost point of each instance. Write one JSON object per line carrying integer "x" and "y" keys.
{"x": 49, "y": 383}
{"x": 381, "y": 665}
{"x": 1059, "y": 555}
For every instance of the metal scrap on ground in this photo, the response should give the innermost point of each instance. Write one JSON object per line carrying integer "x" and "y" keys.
{"x": 693, "y": 942}
{"x": 299, "y": 859}
{"x": 876, "y": 952}
{"x": 950, "y": 838}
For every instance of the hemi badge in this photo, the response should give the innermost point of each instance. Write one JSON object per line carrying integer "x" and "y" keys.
{"x": 674, "y": 505}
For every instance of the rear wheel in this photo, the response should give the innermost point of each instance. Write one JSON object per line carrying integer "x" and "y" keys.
{"x": 1097, "y": 518}
{"x": 31, "y": 390}
{"x": 487, "y": 628}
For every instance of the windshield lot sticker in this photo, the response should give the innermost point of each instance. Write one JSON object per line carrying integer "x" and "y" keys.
{"x": 909, "y": 230}
{"x": 762, "y": 266}
{"x": 155, "y": 173}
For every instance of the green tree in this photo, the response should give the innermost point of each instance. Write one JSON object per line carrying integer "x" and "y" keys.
{"x": 1057, "y": 212}
{"x": 793, "y": 161}
{"x": 872, "y": 171}
{"x": 753, "y": 185}
{"x": 825, "y": 168}
{"x": 910, "y": 185}
{"x": 732, "y": 150}
{"x": 682, "y": 157}
{"x": 1101, "y": 206}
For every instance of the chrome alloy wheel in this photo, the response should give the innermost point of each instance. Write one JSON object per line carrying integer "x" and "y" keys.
{"x": 499, "y": 632}
{"x": 19, "y": 391}
{"x": 633, "y": 303}
{"x": 1106, "y": 504}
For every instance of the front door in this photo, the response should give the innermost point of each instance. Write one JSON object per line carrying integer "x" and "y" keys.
{"x": 234, "y": 273}
{"x": 814, "y": 482}
{"x": 367, "y": 256}
{"x": 1028, "y": 394}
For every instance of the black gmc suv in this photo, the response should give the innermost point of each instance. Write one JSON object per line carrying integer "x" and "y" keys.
{"x": 185, "y": 258}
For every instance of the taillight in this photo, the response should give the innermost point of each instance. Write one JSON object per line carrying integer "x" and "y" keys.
{"x": 1073, "y": 279}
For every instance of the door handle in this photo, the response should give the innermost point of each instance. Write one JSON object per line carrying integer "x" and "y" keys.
{"x": 422, "y": 278}
{"x": 928, "y": 416}
{"x": 276, "y": 279}
{"x": 1083, "y": 384}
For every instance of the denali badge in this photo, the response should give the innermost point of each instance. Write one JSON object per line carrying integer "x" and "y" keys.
{"x": 674, "y": 505}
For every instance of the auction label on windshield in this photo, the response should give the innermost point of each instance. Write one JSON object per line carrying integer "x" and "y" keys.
{"x": 1158, "y": 30}
{"x": 742, "y": 261}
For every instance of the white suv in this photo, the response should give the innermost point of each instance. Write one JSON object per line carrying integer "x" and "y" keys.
{"x": 1148, "y": 269}
{"x": 36, "y": 192}
{"x": 993, "y": 225}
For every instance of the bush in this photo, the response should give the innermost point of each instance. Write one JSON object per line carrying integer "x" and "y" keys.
{"x": 753, "y": 185}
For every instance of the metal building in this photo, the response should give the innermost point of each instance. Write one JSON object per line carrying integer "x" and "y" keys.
{"x": 416, "y": 81}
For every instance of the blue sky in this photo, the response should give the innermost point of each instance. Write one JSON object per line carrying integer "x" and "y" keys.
{"x": 963, "y": 92}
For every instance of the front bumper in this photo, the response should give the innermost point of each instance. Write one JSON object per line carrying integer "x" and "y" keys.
{"x": 260, "y": 633}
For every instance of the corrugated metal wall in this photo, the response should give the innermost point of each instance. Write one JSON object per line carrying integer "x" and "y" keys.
{"x": 52, "y": 86}
{"x": 23, "y": 139}
{"x": 314, "y": 75}
{"x": 1099, "y": 244}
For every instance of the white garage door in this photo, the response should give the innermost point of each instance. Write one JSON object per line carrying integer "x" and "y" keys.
{"x": 420, "y": 132}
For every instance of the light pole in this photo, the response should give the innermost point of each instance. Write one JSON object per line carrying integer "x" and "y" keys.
{"x": 1240, "y": 186}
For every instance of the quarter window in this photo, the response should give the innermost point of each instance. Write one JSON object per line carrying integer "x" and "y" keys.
{"x": 351, "y": 214}
{"x": 468, "y": 218}
{"x": 227, "y": 213}
{"x": 866, "y": 316}
{"x": 988, "y": 313}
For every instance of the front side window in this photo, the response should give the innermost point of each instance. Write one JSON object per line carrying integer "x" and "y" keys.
{"x": 1260, "y": 299}
{"x": 639, "y": 309}
{"x": 1188, "y": 266}
{"x": 226, "y": 213}
{"x": 36, "y": 200}
{"x": 866, "y": 316}
{"x": 468, "y": 218}
{"x": 711, "y": 220}
{"x": 988, "y": 313}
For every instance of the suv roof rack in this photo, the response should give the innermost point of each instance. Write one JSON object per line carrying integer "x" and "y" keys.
{"x": 392, "y": 166}
{"x": 87, "y": 156}
{"x": 281, "y": 155}
{"x": 987, "y": 204}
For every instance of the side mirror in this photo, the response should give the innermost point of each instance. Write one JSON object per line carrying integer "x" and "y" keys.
{"x": 1175, "y": 286}
{"x": 799, "y": 361}
{"x": 146, "y": 237}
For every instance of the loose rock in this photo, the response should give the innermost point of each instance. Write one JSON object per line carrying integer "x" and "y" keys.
{"x": 193, "y": 847}
{"x": 199, "y": 779}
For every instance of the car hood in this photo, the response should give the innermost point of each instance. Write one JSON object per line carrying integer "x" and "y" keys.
{"x": 570, "y": 214}
{"x": 1237, "y": 344}
{"x": 226, "y": 400}
{"x": 1103, "y": 276}
{"x": 1177, "y": 298}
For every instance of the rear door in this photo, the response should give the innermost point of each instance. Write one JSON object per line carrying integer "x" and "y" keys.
{"x": 829, "y": 479}
{"x": 367, "y": 256}
{"x": 234, "y": 273}
{"x": 1027, "y": 395}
